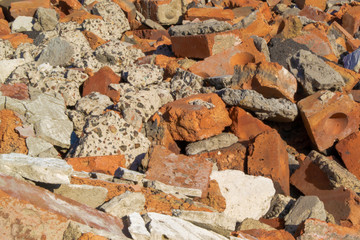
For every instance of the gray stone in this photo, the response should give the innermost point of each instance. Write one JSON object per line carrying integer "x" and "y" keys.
{"x": 15, "y": 105}
{"x": 109, "y": 134}
{"x": 93, "y": 104}
{"x": 246, "y": 21}
{"x": 152, "y": 24}
{"x": 172, "y": 228}
{"x": 220, "y": 141}
{"x": 114, "y": 15}
{"x": 261, "y": 46}
{"x": 184, "y": 84}
{"x": 280, "y": 206}
{"x": 125, "y": 204}
{"x": 38, "y": 147}
{"x": 46, "y": 19}
{"x": 278, "y": 110}
{"x": 46, "y": 170}
{"x": 92, "y": 196}
{"x": 337, "y": 175}
{"x": 8, "y": 66}
{"x": 250, "y": 223}
{"x": 78, "y": 120}
{"x": 143, "y": 75}
{"x": 137, "y": 227}
{"x": 246, "y": 196}
{"x": 305, "y": 207}
{"x": 22, "y": 24}
{"x": 212, "y": 221}
{"x": 56, "y": 132}
{"x": 352, "y": 61}
{"x": 313, "y": 73}
{"x": 57, "y": 52}
{"x": 179, "y": 192}
{"x": 130, "y": 175}
{"x": 205, "y": 27}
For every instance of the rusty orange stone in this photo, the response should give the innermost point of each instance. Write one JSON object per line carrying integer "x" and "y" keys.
{"x": 101, "y": 164}
{"x": 214, "y": 197}
{"x": 93, "y": 39}
{"x": 329, "y": 116}
{"x": 244, "y": 125}
{"x": 196, "y": 117}
{"x": 2, "y": 14}
{"x": 27, "y": 7}
{"x": 266, "y": 235}
{"x": 10, "y": 141}
{"x": 91, "y": 236}
{"x": 67, "y": 6}
{"x": 78, "y": 16}
{"x": 16, "y": 39}
{"x": 100, "y": 82}
{"x": 314, "y": 3}
{"x": 179, "y": 170}
{"x": 4, "y": 27}
{"x": 271, "y": 162}
{"x": 350, "y": 77}
{"x": 351, "y": 20}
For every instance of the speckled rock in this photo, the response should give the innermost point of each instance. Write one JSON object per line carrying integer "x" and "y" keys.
{"x": 6, "y": 49}
{"x": 7, "y": 66}
{"x": 109, "y": 134}
{"x": 143, "y": 75}
{"x": 184, "y": 84}
{"x": 93, "y": 104}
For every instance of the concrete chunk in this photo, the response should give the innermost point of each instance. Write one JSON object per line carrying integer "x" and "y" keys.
{"x": 219, "y": 141}
{"x": 205, "y": 27}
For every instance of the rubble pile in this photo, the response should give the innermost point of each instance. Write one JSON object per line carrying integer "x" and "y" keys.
{"x": 179, "y": 119}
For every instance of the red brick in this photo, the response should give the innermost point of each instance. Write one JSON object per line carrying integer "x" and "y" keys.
{"x": 2, "y": 14}
{"x": 223, "y": 63}
{"x": 78, "y": 16}
{"x": 4, "y": 27}
{"x": 268, "y": 78}
{"x": 314, "y": 3}
{"x": 93, "y": 39}
{"x": 100, "y": 164}
{"x": 203, "y": 45}
{"x": 128, "y": 7}
{"x": 179, "y": 170}
{"x": 27, "y": 7}
{"x": 356, "y": 95}
{"x": 271, "y": 162}
{"x": 189, "y": 122}
{"x": 277, "y": 223}
{"x": 10, "y": 141}
{"x": 209, "y": 13}
{"x": 317, "y": 229}
{"x": 17, "y": 91}
{"x": 259, "y": 27}
{"x": 232, "y": 157}
{"x": 16, "y": 39}
{"x": 100, "y": 83}
{"x": 348, "y": 150}
{"x": 27, "y": 206}
{"x": 244, "y": 125}
{"x": 351, "y": 20}
{"x": 329, "y": 116}
{"x": 351, "y": 43}
{"x": 314, "y": 14}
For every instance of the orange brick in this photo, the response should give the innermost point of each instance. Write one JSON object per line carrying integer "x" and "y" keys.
{"x": 209, "y": 13}
{"x": 329, "y": 116}
{"x": 270, "y": 162}
{"x": 244, "y": 125}
{"x": 350, "y": 77}
{"x": 93, "y": 39}
{"x": 348, "y": 150}
{"x": 4, "y": 27}
{"x": 314, "y": 14}
{"x": 314, "y": 3}
{"x": 1, "y": 14}
{"x": 67, "y": 6}
{"x": 351, "y": 20}
{"x": 264, "y": 235}
{"x": 203, "y": 45}
{"x": 78, "y": 16}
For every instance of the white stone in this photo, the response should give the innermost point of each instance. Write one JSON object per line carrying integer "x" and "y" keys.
{"x": 130, "y": 175}
{"x": 7, "y": 66}
{"x": 22, "y": 24}
{"x": 172, "y": 228}
{"x": 46, "y": 170}
{"x": 37, "y": 146}
{"x": 246, "y": 196}
{"x": 125, "y": 204}
{"x": 137, "y": 227}
{"x": 179, "y": 192}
